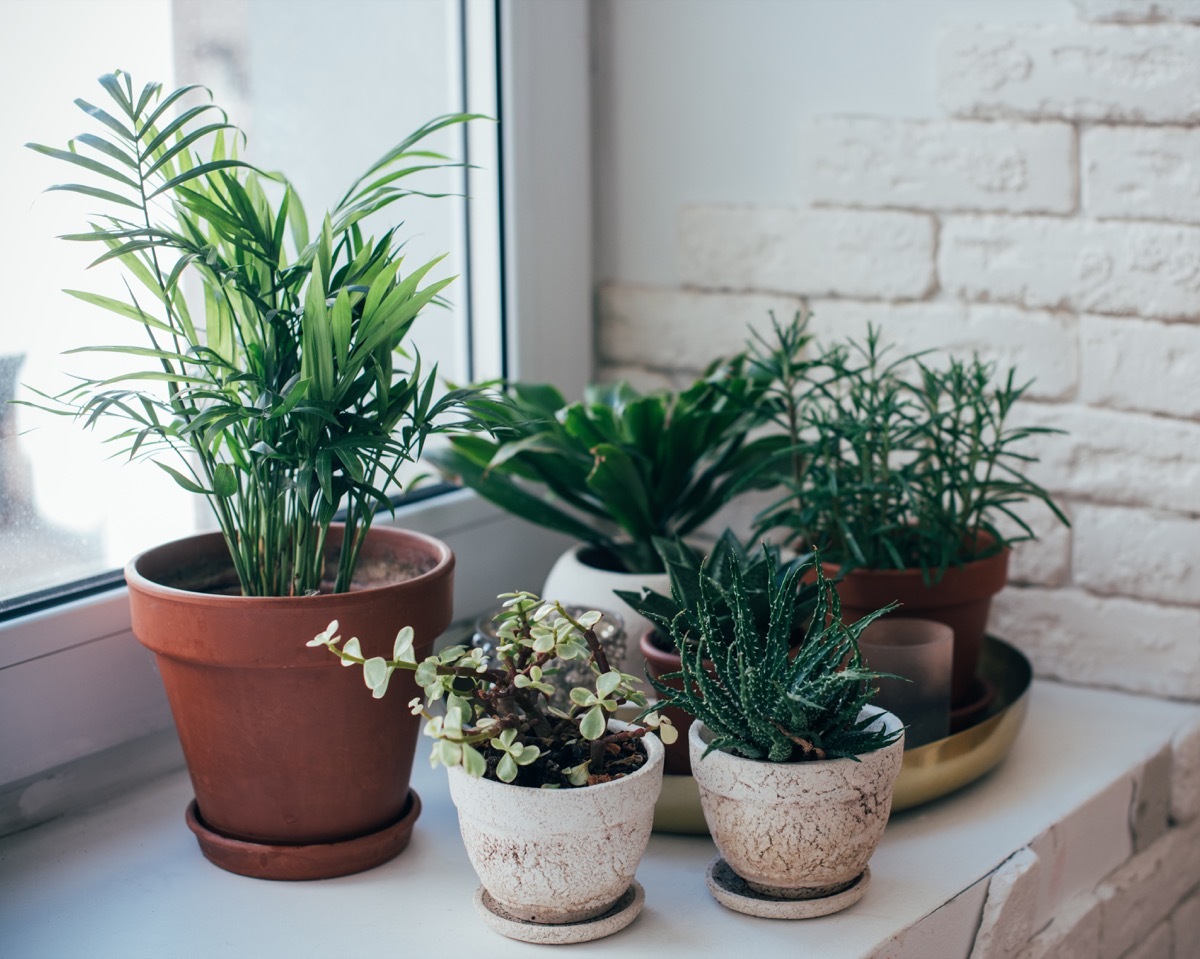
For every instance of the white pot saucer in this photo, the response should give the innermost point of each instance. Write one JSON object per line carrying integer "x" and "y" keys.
{"x": 624, "y": 911}
{"x": 731, "y": 891}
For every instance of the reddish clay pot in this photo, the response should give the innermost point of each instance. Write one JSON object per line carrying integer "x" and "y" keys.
{"x": 961, "y": 599}
{"x": 660, "y": 662}
{"x": 285, "y": 747}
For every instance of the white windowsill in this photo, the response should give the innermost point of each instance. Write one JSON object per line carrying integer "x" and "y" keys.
{"x": 126, "y": 879}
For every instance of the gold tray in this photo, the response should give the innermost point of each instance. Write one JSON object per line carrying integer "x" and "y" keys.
{"x": 939, "y": 768}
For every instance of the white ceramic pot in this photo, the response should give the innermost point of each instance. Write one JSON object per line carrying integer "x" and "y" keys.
{"x": 797, "y": 830}
{"x": 558, "y": 855}
{"x": 572, "y": 580}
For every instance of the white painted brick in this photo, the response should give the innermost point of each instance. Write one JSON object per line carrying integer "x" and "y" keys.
{"x": 1010, "y": 907}
{"x": 1151, "y": 800}
{"x": 1099, "y": 641}
{"x": 1045, "y": 561}
{"x": 1135, "y": 552}
{"x": 1078, "y": 72}
{"x": 1141, "y": 173}
{"x": 681, "y": 329}
{"x": 949, "y": 165}
{"x": 1078, "y": 852}
{"x": 946, "y": 933}
{"x": 1134, "y": 364}
{"x": 642, "y": 379}
{"x": 870, "y": 254}
{"x": 1185, "y": 775}
{"x": 1114, "y": 457}
{"x": 1139, "y": 11}
{"x": 1146, "y": 890}
{"x": 1074, "y": 933}
{"x": 1185, "y": 928}
{"x": 1145, "y": 269}
{"x": 1156, "y": 945}
{"x": 1041, "y": 346}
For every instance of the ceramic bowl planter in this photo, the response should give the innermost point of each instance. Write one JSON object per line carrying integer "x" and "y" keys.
{"x": 794, "y": 838}
{"x": 554, "y": 857}
{"x": 297, "y": 774}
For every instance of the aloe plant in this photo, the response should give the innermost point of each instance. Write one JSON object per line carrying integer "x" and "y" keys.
{"x": 276, "y": 381}
{"x": 499, "y": 721}
{"x": 619, "y": 468}
{"x": 740, "y": 678}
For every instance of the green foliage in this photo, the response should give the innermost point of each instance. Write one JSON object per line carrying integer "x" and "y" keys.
{"x": 619, "y": 468}
{"x": 499, "y": 721}
{"x": 282, "y": 388}
{"x": 890, "y": 462}
{"x": 742, "y": 682}
{"x": 759, "y": 569}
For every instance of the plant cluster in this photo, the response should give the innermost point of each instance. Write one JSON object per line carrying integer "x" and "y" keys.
{"x": 284, "y": 390}
{"x": 888, "y": 461}
{"x": 619, "y": 468}
{"x": 744, "y": 683}
{"x": 498, "y": 721}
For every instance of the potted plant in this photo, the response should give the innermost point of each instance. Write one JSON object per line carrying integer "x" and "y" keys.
{"x": 613, "y": 471}
{"x": 795, "y": 769}
{"x": 555, "y": 806}
{"x": 905, "y": 475}
{"x": 272, "y": 374}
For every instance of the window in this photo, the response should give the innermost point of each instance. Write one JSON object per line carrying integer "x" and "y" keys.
{"x": 73, "y": 681}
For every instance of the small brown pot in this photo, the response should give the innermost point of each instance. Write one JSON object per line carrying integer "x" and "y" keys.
{"x": 961, "y": 599}
{"x": 660, "y": 662}
{"x": 298, "y": 772}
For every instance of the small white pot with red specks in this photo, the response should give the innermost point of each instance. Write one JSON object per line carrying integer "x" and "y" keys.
{"x": 558, "y": 855}
{"x": 800, "y": 830}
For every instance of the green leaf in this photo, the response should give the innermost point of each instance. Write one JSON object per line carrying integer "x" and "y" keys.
{"x": 188, "y": 484}
{"x": 225, "y": 483}
{"x": 593, "y": 724}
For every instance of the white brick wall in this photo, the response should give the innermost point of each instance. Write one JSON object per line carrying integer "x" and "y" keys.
{"x": 1136, "y": 552}
{"x": 1141, "y": 173}
{"x": 1133, "y": 364}
{"x": 1108, "y": 73}
{"x": 961, "y": 165}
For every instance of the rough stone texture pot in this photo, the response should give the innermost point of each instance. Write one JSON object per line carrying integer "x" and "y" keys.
{"x": 285, "y": 746}
{"x": 797, "y": 830}
{"x": 576, "y": 578}
{"x": 558, "y": 855}
{"x": 962, "y": 599}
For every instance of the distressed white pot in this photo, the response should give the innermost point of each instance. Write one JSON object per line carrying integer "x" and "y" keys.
{"x": 571, "y": 580}
{"x": 558, "y": 855}
{"x": 796, "y": 830}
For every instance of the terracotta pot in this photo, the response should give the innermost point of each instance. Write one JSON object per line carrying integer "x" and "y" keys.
{"x": 578, "y": 577}
{"x": 558, "y": 855}
{"x": 797, "y": 830}
{"x": 961, "y": 599}
{"x": 285, "y": 747}
{"x": 658, "y": 663}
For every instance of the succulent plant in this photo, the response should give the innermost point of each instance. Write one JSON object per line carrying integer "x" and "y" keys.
{"x": 499, "y": 722}
{"x": 744, "y": 683}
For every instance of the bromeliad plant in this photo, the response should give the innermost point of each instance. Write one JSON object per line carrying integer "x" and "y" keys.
{"x": 499, "y": 722}
{"x": 619, "y": 468}
{"x": 741, "y": 680}
{"x": 285, "y": 391}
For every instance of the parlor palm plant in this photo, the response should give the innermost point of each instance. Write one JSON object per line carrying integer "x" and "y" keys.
{"x": 272, "y": 365}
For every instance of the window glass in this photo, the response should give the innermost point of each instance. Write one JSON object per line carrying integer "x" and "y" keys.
{"x": 321, "y": 90}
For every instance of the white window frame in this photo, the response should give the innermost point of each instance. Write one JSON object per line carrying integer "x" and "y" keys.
{"x": 75, "y": 686}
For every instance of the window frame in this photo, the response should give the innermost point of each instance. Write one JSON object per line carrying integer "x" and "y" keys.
{"x": 73, "y": 680}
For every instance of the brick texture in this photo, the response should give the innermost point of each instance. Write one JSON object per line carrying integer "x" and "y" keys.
{"x": 1141, "y": 173}
{"x": 1010, "y": 907}
{"x": 1074, "y": 933}
{"x": 1145, "y": 269}
{"x": 1077, "y": 72}
{"x": 874, "y": 255}
{"x": 1185, "y": 775}
{"x": 1014, "y": 167}
{"x": 1142, "y": 553}
{"x": 1139, "y": 11}
{"x": 1132, "y": 364}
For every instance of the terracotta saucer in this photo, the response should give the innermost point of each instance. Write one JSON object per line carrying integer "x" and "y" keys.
{"x": 624, "y": 911}
{"x": 324, "y": 860}
{"x": 731, "y": 891}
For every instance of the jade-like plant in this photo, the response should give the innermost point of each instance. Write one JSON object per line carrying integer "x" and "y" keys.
{"x": 273, "y": 368}
{"x": 891, "y": 460}
{"x": 687, "y": 569}
{"x": 758, "y": 698}
{"x": 499, "y": 722}
{"x": 619, "y": 468}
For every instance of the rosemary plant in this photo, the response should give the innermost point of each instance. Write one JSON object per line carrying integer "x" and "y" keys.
{"x": 743, "y": 683}
{"x": 282, "y": 389}
{"x": 499, "y": 722}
